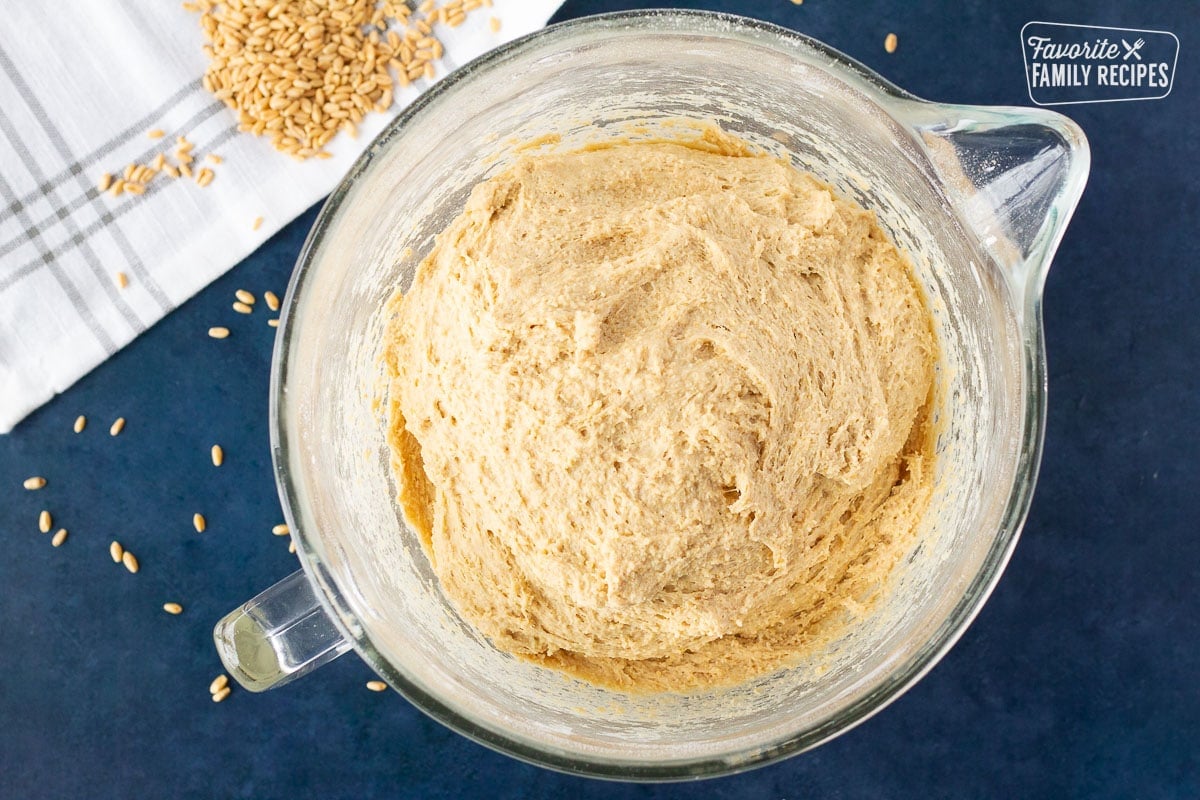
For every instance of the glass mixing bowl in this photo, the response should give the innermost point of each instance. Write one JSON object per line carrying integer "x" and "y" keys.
{"x": 978, "y": 197}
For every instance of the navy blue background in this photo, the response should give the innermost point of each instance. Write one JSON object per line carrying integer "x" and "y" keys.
{"x": 1079, "y": 678}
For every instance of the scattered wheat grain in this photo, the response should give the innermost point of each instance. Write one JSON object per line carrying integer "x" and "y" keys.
{"x": 287, "y": 67}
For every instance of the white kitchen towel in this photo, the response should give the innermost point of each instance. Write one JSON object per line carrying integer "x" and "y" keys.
{"x": 82, "y": 82}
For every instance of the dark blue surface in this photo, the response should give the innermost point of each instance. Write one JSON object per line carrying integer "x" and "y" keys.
{"x": 1079, "y": 679}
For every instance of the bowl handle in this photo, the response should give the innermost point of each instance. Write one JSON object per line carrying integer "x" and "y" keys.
{"x": 278, "y": 636}
{"x": 1014, "y": 174}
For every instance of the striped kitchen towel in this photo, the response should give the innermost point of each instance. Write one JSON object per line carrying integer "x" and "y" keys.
{"x": 82, "y": 85}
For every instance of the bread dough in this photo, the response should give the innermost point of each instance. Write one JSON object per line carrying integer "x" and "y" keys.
{"x": 660, "y": 411}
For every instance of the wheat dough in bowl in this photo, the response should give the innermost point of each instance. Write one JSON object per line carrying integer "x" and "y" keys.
{"x": 660, "y": 411}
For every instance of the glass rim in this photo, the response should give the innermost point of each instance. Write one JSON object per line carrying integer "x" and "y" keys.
{"x": 334, "y": 600}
